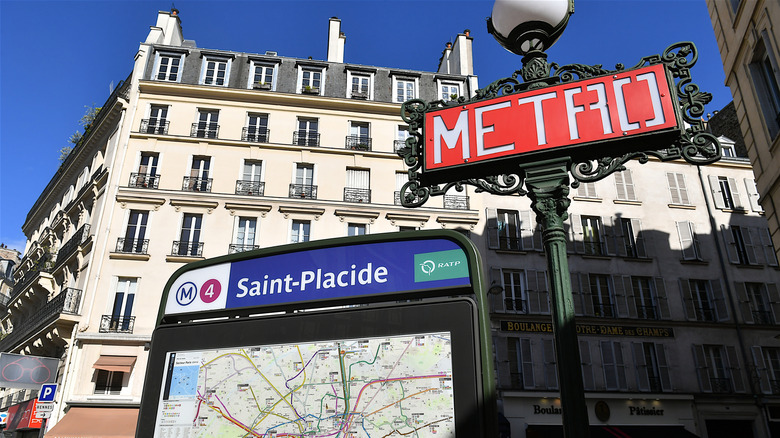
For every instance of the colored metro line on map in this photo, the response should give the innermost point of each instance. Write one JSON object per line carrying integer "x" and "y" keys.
{"x": 367, "y": 387}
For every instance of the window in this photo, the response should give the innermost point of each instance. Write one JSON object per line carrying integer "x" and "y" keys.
{"x": 244, "y": 235}
{"x": 767, "y": 361}
{"x": 751, "y": 192}
{"x": 587, "y": 366}
{"x": 613, "y": 366}
{"x": 704, "y": 300}
{"x": 739, "y": 245}
{"x": 121, "y": 319}
{"x": 758, "y": 302}
{"x": 146, "y": 177}
{"x": 689, "y": 241}
{"x": 167, "y": 67}
{"x": 725, "y": 193}
{"x": 157, "y": 123}
{"x": 717, "y": 369}
{"x": 358, "y": 138}
{"x": 601, "y": 296}
{"x": 356, "y": 229}
{"x": 400, "y": 138}
{"x": 135, "y": 233}
{"x": 677, "y": 188}
{"x": 633, "y": 242}
{"x": 593, "y": 235}
{"x": 216, "y": 71}
{"x": 108, "y": 382}
{"x": 624, "y": 183}
{"x": 358, "y": 187}
{"x": 256, "y": 128}
{"x": 727, "y": 149}
{"x": 359, "y": 85}
{"x": 198, "y": 180}
{"x": 449, "y": 91}
{"x": 206, "y": 126}
{"x": 300, "y": 231}
{"x": 307, "y": 134}
{"x": 522, "y": 291}
{"x": 644, "y": 298}
{"x": 587, "y": 190}
{"x": 514, "y": 297}
{"x": 303, "y": 187}
{"x": 311, "y": 80}
{"x": 189, "y": 243}
{"x": 262, "y": 76}
{"x": 405, "y": 89}
{"x": 251, "y": 182}
{"x": 652, "y": 367}
{"x": 503, "y": 229}
{"x": 521, "y": 368}
{"x": 763, "y": 71}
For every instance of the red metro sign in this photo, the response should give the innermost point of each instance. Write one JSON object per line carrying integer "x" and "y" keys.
{"x": 485, "y": 137}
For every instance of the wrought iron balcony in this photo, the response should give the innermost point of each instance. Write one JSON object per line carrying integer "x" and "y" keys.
{"x": 704, "y": 314}
{"x": 646, "y": 312}
{"x": 456, "y": 202}
{"x": 248, "y": 187}
{"x": 397, "y": 198}
{"x": 67, "y": 302}
{"x": 70, "y": 246}
{"x": 303, "y": 191}
{"x": 514, "y": 305}
{"x": 306, "y": 138}
{"x": 144, "y": 181}
{"x": 154, "y": 126}
{"x": 762, "y": 317}
{"x": 204, "y": 130}
{"x": 187, "y": 248}
{"x": 44, "y": 264}
{"x": 116, "y": 324}
{"x": 721, "y": 385}
{"x": 357, "y": 195}
{"x": 509, "y": 243}
{"x": 398, "y": 145}
{"x": 603, "y": 310}
{"x": 358, "y": 143}
{"x": 237, "y": 247}
{"x": 132, "y": 246}
{"x": 195, "y": 184}
{"x": 255, "y": 134}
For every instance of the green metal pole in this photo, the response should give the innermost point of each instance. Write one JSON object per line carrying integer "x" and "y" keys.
{"x": 548, "y": 188}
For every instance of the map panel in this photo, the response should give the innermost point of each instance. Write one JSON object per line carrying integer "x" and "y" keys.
{"x": 349, "y": 388}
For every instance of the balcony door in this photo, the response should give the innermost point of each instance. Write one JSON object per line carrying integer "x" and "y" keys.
{"x": 122, "y": 312}
{"x": 189, "y": 238}
{"x": 136, "y": 231}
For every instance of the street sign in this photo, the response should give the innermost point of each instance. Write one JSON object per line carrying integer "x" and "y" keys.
{"x": 46, "y": 394}
{"x": 43, "y": 410}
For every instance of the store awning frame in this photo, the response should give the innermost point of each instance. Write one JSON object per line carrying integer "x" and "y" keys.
{"x": 95, "y": 422}
{"x": 115, "y": 363}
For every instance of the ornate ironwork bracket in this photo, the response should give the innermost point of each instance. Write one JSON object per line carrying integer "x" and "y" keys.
{"x": 695, "y": 145}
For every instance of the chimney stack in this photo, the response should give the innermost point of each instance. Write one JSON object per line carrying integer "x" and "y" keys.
{"x": 336, "y": 41}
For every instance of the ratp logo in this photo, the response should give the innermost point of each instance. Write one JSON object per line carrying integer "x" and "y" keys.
{"x": 428, "y": 267}
{"x": 440, "y": 265}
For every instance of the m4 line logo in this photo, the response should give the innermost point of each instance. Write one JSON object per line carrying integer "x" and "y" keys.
{"x": 440, "y": 265}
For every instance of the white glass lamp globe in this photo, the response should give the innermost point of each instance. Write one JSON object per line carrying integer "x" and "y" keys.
{"x": 524, "y": 26}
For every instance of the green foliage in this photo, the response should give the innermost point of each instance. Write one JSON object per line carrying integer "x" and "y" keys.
{"x": 86, "y": 121}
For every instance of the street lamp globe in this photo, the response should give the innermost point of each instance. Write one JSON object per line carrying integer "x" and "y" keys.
{"x": 526, "y": 26}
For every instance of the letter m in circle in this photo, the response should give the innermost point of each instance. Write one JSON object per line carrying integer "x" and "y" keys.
{"x": 186, "y": 293}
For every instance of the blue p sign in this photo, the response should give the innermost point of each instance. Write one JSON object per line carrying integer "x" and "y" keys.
{"x": 47, "y": 392}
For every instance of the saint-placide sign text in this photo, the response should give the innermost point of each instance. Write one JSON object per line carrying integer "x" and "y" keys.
{"x": 590, "y": 329}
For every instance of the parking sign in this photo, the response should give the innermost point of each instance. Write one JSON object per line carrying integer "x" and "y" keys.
{"x": 47, "y": 392}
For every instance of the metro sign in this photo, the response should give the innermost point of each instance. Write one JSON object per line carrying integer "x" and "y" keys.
{"x": 487, "y": 137}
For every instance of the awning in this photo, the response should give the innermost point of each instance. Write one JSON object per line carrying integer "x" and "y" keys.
{"x": 115, "y": 363}
{"x": 96, "y": 422}
{"x": 633, "y": 431}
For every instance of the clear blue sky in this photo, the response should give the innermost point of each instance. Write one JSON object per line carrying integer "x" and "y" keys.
{"x": 58, "y": 56}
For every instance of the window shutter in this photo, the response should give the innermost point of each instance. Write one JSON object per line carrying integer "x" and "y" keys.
{"x": 774, "y": 300}
{"x": 622, "y": 288}
{"x": 719, "y": 300}
{"x": 628, "y": 180}
{"x": 586, "y": 300}
{"x": 702, "y": 371}
{"x": 587, "y": 366}
{"x": 734, "y": 187}
{"x": 757, "y": 245}
{"x": 496, "y": 300}
{"x": 685, "y": 232}
{"x": 620, "y": 185}
{"x": 515, "y": 370}
{"x": 550, "y": 366}
{"x": 620, "y": 241}
{"x": 685, "y": 291}
{"x": 671, "y": 179}
{"x": 731, "y": 245}
{"x": 752, "y": 194}
{"x": 663, "y": 367}
{"x": 641, "y": 247}
{"x": 660, "y": 294}
{"x": 620, "y": 365}
{"x": 575, "y": 239}
{"x": 717, "y": 193}
{"x": 744, "y": 302}
{"x": 642, "y": 377}
{"x": 528, "y": 364}
{"x": 608, "y": 364}
{"x": 609, "y": 241}
{"x": 749, "y": 247}
{"x": 628, "y": 286}
{"x": 769, "y": 248}
{"x": 492, "y": 228}
{"x": 736, "y": 372}
{"x": 526, "y": 230}
{"x": 761, "y": 371}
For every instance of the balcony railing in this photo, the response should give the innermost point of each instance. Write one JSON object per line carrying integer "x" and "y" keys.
{"x": 144, "y": 181}
{"x": 762, "y": 317}
{"x": 247, "y": 187}
{"x": 514, "y": 305}
{"x": 704, "y": 314}
{"x": 195, "y": 184}
{"x": 66, "y": 250}
{"x": 604, "y": 310}
{"x": 154, "y": 126}
{"x": 204, "y": 130}
{"x": 456, "y": 202}
{"x": 116, "y": 324}
{"x": 306, "y": 138}
{"x": 358, "y": 143}
{"x": 132, "y": 246}
{"x": 303, "y": 191}
{"x": 646, "y": 312}
{"x": 186, "y": 248}
{"x": 67, "y": 301}
{"x": 237, "y": 247}
{"x": 357, "y": 195}
{"x": 721, "y": 385}
{"x": 397, "y": 198}
{"x": 44, "y": 264}
{"x": 398, "y": 145}
{"x": 252, "y": 133}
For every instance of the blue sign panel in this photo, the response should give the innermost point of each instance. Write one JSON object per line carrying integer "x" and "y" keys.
{"x": 321, "y": 274}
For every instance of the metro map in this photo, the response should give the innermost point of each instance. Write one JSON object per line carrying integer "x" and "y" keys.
{"x": 398, "y": 386}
